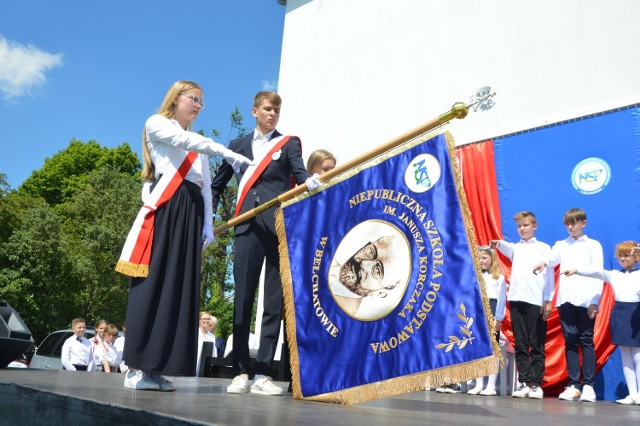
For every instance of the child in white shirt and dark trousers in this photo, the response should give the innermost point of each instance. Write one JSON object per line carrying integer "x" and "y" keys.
{"x": 529, "y": 299}
{"x": 77, "y": 354}
{"x": 577, "y": 303}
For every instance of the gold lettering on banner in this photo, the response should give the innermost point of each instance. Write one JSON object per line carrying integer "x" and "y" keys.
{"x": 318, "y": 310}
{"x": 424, "y": 294}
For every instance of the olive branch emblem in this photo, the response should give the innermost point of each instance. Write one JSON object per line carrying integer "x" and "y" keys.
{"x": 466, "y": 331}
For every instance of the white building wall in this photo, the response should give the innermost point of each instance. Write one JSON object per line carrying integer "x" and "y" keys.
{"x": 357, "y": 73}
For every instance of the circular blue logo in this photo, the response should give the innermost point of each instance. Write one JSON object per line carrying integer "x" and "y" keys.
{"x": 591, "y": 175}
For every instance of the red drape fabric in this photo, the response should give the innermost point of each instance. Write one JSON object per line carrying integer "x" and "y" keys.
{"x": 481, "y": 188}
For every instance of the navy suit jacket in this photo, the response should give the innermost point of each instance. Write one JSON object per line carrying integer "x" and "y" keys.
{"x": 274, "y": 180}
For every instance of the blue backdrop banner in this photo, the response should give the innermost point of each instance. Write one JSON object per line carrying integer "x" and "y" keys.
{"x": 382, "y": 288}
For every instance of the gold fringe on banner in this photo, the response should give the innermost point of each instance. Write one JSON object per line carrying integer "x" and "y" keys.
{"x": 409, "y": 383}
{"x": 132, "y": 269}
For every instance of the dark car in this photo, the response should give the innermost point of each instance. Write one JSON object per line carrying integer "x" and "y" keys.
{"x": 49, "y": 352}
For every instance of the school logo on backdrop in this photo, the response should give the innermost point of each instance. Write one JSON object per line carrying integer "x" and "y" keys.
{"x": 591, "y": 175}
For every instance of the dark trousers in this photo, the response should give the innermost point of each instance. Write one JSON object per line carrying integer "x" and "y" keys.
{"x": 251, "y": 249}
{"x": 577, "y": 329}
{"x": 530, "y": 333}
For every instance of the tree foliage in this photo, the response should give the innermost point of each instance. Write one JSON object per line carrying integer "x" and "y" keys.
{"x": 217, "y": 285}
{"x": 65, "y": 171}
{"x": 62, "y": 233}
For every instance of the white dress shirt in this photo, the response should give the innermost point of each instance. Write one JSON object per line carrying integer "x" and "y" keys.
{"x": 525, "y": 286}
{"x": 496, "y": 289}
{"x": 119, "y": 344}
{"x": 625, "y": 285}
{"x": 581, "y": 253}
{"x": 78, "y": 352}
{"x": 105, "y": 352}
{"x": 167, "y": 142}
{"x": 260, "y": 144}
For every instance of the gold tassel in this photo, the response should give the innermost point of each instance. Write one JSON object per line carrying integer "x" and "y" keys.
{"x": 132, "y": 269}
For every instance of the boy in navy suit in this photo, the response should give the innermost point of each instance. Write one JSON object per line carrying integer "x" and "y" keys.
{"x": 278, "y": 161}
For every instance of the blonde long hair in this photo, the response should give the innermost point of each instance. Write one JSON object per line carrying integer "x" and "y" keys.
{"x": 166, "y": 110}
{"x": 317, "y": 157}
{"x": 494, "y": 269}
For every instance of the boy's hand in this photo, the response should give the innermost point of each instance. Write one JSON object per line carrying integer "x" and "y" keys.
{"x": 494, "y": 244}
{"x": 569, "y": 272}
{"x": 592, "y": 310}
{"x": 539, "y": 268}
{"x": 497, "y": 325}
{"x": 545, "y": 310}
{"x": 313, "y": 182}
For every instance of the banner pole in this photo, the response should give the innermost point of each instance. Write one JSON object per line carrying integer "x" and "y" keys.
{"x": 458, "y": 110}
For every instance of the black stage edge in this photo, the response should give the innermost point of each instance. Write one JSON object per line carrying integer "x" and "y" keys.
{"x": 45, "y": 397}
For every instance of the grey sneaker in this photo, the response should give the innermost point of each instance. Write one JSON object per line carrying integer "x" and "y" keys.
{"x": 164, "y": 384}
{"x": 139, "y": 380}
{"x": 265, "y": 386}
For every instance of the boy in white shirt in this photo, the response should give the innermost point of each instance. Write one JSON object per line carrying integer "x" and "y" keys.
{"x": 105, "y": 354}
{"x": 577, "y": 303}
{"x": 76, "y": 350}
{"x": 529, "y": 299}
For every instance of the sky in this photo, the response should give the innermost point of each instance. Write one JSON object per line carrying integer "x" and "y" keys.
{"x": 96, "y": 70}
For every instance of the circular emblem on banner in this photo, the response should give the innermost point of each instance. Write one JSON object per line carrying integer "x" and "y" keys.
{"x": 422, "y": 173}
{"x": 591, "y": 175}
{"x": 370, "y": 270}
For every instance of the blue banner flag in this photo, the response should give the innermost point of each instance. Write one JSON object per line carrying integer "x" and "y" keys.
{"x": 383, "y": 293}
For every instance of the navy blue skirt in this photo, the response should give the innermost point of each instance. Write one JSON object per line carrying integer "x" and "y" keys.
{"x": 624, "y": 324}
{"x": 163, "y": 308}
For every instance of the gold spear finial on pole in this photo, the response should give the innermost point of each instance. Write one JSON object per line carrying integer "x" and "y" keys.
{"x": 481, "y": 100}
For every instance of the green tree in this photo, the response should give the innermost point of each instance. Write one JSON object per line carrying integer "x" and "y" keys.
{"x": 61, "y": 235}
{"x": 96, "y": 220}
{"x": 67, "y": 169}
{"x": 217, "y": 283}
{"x": 34, "y": 280}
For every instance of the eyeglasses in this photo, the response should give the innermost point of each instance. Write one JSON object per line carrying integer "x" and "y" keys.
{"x": 197, "y": 100}
{"x": 205, "y": 319}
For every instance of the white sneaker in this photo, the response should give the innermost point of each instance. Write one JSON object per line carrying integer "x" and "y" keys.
{"x": 265, "y": 386}
{"x": 570, "y": 393}
{"x": 140, "y": 380}
{"x": 239, "y": 384}
{"x": 489, "y": 392}
{"x": 522, "y": 391}
{"x": 164, "y": 384}
{"x": 535, "y": 392}
{"x": 628, "y": 400}
{"x": 474, "y": 391}
{"x": 453, "y": 388}
{"x": 588, "y": 394}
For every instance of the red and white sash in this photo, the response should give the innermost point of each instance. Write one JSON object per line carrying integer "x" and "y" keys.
{"x": 252, "y": 173}
{"x": 136, "y": 253}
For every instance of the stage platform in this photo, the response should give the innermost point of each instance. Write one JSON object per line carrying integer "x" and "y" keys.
{"x": 45, "y": 397}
